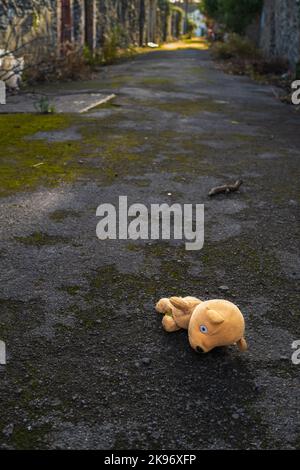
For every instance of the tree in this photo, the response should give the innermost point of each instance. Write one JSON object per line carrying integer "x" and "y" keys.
{"x": 186, "y": 11}
{"x": 234, "y": 15}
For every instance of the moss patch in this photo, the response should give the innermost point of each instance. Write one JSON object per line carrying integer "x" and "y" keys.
{"x": 25, "y": 165}
{"x": 106, "y": 151}
{"x": 71, "y": 290}
{"x": 61, "y": 214}
{"x": 39, "y": 239}
{"x": 189, "y": 108}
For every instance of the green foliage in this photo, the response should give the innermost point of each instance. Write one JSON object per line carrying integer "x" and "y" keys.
{"x": 235, "y": 46}
{"x": 35, "y": 21}
{"x": 243, "y": 58}
{"x": 88, "y": 55}
{"x": 234, "y": 15}
{"x": 43, "y": 106}
{"x": 110, "y": 47}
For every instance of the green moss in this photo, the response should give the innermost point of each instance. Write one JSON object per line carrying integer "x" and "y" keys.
{"x": 24, "y": 439}
{"x": 105, "y": 152}
{"x": 40, "y": 239}
{"x": 115, "y": 154}
{"x": 16, "y": 126}
{"x": 61, "y": 214}
{"x": 239, "y": 137}
{"x": 189, "y": 107}
{"x": 257, "y": 265}
{"x": 133, "y": 246}
{"x": 156, "y": 81}
{"x": 101, "y": 154}
{"x": 25, "y": 436}
{"x": 173, "y": 273}
{"x": 27, "y": 165}
{"x": 119, "y": 285}
{"x": 62, "y": 329}
{"x": 71, "y": 290}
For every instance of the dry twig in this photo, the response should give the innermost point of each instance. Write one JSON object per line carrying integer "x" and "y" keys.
{"x": 226, "y": 188}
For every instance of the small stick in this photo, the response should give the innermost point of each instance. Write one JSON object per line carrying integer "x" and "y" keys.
{"x": 226, "y": 188}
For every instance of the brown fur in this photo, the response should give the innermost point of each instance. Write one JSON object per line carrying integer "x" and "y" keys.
{"x": 210, "y": 324}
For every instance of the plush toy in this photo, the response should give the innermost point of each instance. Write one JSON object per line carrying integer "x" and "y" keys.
{"x": 210, "y": 324}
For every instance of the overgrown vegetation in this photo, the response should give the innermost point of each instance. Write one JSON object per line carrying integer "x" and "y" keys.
{"x": 239, "y": 56}
{"x": 235, "y": 47}
{"x": 72, "y": 64}
{"x": 111, "y": 46}
{"x": 229, "y": 20}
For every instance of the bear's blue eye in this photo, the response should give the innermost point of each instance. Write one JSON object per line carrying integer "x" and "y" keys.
{"x": 203, "y": 329}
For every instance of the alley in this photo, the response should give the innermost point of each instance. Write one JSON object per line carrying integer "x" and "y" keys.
{"x": 89, "y": 365}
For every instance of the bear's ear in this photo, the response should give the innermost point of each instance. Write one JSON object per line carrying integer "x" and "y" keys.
{"x": 214, "y": 317}
{"x": 180, "y": 303}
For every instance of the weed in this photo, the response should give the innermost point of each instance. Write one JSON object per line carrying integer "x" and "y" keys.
{"x": 43, "y": 106}
{"x": 235, "y": 47}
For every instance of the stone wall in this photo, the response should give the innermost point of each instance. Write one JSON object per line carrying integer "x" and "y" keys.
{"x": 23, "y": 20}
{"x": 280, "y": 30}
{"x": 90, "y": 22}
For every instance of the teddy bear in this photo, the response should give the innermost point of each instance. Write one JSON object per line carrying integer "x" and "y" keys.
{"x": 210, "y": 323}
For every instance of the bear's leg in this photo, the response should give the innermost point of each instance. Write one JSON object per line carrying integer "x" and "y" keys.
{"x": 242, "y": 345}
{"x": 169, "y": 324}
{"x": 164, "y": 306}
